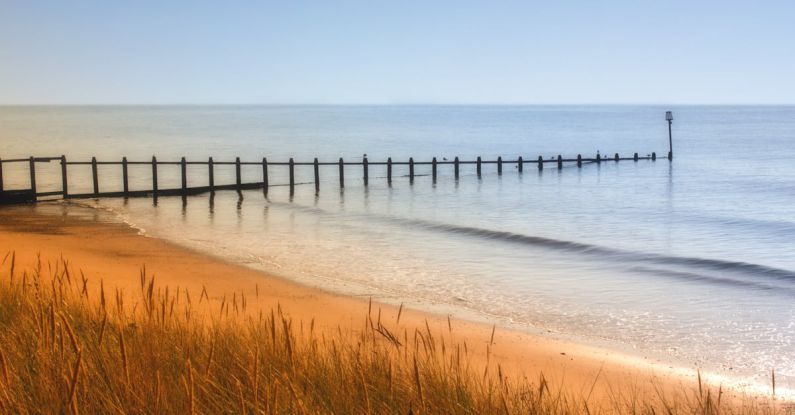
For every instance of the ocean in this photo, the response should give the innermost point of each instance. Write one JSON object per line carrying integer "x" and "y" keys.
{"x": 689, "y": 263}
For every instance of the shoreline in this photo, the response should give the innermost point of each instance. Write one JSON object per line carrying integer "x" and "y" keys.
{"x": 96, "y": 244}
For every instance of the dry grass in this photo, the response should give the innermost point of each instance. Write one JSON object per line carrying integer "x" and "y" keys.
{"x": 161, "y": 351}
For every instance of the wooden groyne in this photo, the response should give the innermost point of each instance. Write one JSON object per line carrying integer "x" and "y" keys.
{"x": 32, "y": 194}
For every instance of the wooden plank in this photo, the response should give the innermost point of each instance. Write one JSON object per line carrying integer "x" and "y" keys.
{"x": 154, "y": 177}
{"x": 499, "y": 165}
{"x": 124, "y": 176}
{"x": 366, "y": 170}
{"x": 520, "y": 164}
{"x": 292, "y": 176}
{"x": 411, "y": 170}
{"x": 64, "y": 180}
{"x": 389, "y": 171}
{"x": 479, "y": 161}
{"x": 183, "y": 167}
{"x": 238, "y": 178}
{"x": 540, "y": 163}
{"x": 95, "y": 175}
{"x": 317, "y": 177}
{"x": 265, "y": 175}
{"x": 32, "y": 166}
{"x": 211, "y": 174}
{"x": 1, "y": 175}
{"x": 433, "y": 169}
{"x": 456, "y": 163}
{"x": 560, "y": 162}
{"x": 342, "y": 173}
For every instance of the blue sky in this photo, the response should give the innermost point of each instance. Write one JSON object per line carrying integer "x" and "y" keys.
{"x": 348, "y": 52}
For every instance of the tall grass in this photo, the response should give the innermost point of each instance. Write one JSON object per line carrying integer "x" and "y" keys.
{"x": 67, "y": 346}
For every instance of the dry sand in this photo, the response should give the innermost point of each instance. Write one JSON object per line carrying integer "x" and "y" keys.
{"x": 115, "y": 253}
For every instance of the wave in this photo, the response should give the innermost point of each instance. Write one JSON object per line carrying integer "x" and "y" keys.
{"x": 744, "y": 271}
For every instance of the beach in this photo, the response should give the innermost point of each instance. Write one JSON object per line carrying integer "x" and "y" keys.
{"x": 115, "y": 254}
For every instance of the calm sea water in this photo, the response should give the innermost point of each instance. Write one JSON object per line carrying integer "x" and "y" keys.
{"x": 691, "y": 263}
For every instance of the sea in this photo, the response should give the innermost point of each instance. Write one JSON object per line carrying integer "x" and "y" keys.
{"x": 688, "y": 263}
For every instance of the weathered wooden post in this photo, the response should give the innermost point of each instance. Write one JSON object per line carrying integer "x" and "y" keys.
{"x": 579, "y": 160}
{"x": 154, "y": 177}
{"x": 540, "y": 163}
{"x": 520, "y": 164}
{"x": 33, "y": 177}
{"x": 64, "y": 181}
{"x": 292, "y": 175}
{"x": 411, "y": 170}
{"x": 342, "y": 173}
{"x": 96, "y": 176}
{"x": 389, "y": 170}
{"x": 1, "y": 175}
{"x": 635, "y": 157}
{"x": 616, "y": 158}
{"x": 125, "y": 178}
{"x": 669, "y": 116}
{"x": 184, "y": 170}
{"x": 433, "y": 169}
{"x": 211, "y": 174}
{"x": 455, "y": 163}
{"x": 238, "y": 178}
{"x": 317, "y": 176}
{"x": 265, "y": 175}
{"x": 598, "y": 158}
{"x": 653, "y": 156}
{"x": 366, "y": 170}
{"x": 560, "y": 162}
{"x": 499, "y": 165}
{"x": 478, "y": 166}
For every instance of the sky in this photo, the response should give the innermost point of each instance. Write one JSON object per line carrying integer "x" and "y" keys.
{"x": 397, "y": 52}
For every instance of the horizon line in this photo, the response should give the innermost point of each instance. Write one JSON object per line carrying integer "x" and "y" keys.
{"x": 392, "y": 104}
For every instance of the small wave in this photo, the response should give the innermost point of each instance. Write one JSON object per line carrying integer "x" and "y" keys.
{"x": 742, "y": 269}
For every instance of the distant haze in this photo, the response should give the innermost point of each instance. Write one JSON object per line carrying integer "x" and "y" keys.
{"x": 349, "y": 52}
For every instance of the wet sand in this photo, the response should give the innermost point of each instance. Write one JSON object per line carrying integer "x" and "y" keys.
{"x": 115, "y": 254}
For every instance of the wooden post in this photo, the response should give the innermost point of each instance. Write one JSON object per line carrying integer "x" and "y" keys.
{"x": 317, "y": 177}
{"x": 598, "y": 158}
{"x": 211, "y": 174}
{"x": 96, "y": 176}
{"x": 579, "y": 160}
{"x": 184, "y": 170}
{"x": 478, "y": 166}
{"x": 520, "y": 164}
{"x": 540, "y": 163}
{"x": 238, "y": 179}
{"x": 265, "y": 175}
{"x": 366, "y": 170}
{"x": 560, "y": 162}
{"x": 635, "y": 157}
{"x": 64, "y": 182}
{"x": 456, "y": 167}
{"x": 154, "y": 177}
{"x": 616, "y": 158}
{"x": 653, "y": 156}
{"x": 342, "y": 174}
{"x": 499, "y": 165}
{"x": 292, "y": 175}
{"x": 125, "y": 178}
{"x": 433, "y": 169}
{"x": 33, "y": 177}
{"x": 1, "y": 175}
{"x": 411, "y": 170}
{"x": 389, "y": 170}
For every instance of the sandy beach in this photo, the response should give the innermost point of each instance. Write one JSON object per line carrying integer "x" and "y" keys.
{"x": 115, "y": 254}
